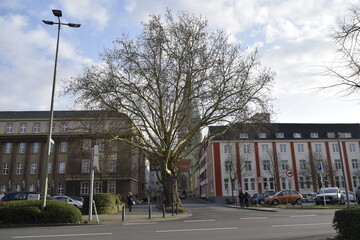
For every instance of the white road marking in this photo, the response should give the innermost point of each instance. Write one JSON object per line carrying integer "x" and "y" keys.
{"x": 254, "y": 218}
{"x": 196, "y": 230}
{"x": 295, "y": 216}
{"x": 144, "y": 223}
{"x": 62, "y": 235}
{"x": 300, "y": 225}
{"x": 204, "y": 220}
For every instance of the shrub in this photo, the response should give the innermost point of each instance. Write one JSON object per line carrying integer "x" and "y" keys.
{"x": 29, "y": 212}
{"x": 347, "y": 223}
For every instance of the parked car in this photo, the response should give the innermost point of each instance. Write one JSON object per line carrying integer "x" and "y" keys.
{"x": 13, "y": 196}
{"x": 333, "y": 195}
{"x": 357, "y": 192}
{"x": 352, "y": 196}
{"x": 69, "y": 200}
{"x": 259, "y": 198}
{"x": 284, "y": 197}
{"x": 81, "y": 199}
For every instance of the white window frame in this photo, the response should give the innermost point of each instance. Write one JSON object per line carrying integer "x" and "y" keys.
{"x": 285, "y": 164}
{"x": 352, "y": 147}
{"x": 248, "y": 165}
{"x": 84, "y": 187}
{"x": 5, "y": 168}
{"x": 49, "y": 167}
{"x": 301, "y": 148}
{"x": 318, "y": 148}
{"x": 283, "y": 147}
{"x": 314, "y": 135}
{"x": 279, "y": 135}
{"x": 265, "y": 148}
{"x": 19, "y": 168}
{"x": 8, "y": 147}
{"x": 335, "y": 147}
{"x": 86, "y": 145}
{"x": 246, "y": 148}
{"x": 36, "y": 147}
{"x": 64, "y": 147}
{"x": 337, "y": 163}
{"x": 302, "y": 164}
{"x": 266, "y": 165}
{"x": 111, "y": 186}
{"x": 60, "y": 189}
{"x": 296, "y": 135}
{"x": 62, "y": 167}
{"x": 244, "y": 135}
{"x": 97, "y": 187}
{"x": 9, "y": 128}
{"x": 64, "y": 127}
{"x": 355, "y": 163}
{"x": 85, "y": 166}
{"x": 33, "y": 168}
{"x": 37, "y": 127}
{"x": 22, "y": 146}
{"x": 262, "y": 135}
{"x": 32, "y": 188}
{"x": 112, "y": 167}
{"x": 22, "y": 128}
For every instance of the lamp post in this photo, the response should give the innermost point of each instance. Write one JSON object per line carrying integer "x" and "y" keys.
{"x": 57, "y": 14}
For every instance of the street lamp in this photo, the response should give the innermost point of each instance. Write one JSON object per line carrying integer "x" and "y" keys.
{"x": 57, "y": 14}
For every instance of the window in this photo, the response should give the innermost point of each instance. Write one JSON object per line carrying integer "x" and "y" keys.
{"x": 32, "y": 188}
{"x": 86, "y": 144}
{"x": 113, "y": 146}
{"x": 49, "y": 167}
{"x": 22, "y": 128}
{"x": 337, "y": 164}
{"x": 101, "y": 127}
{"x": 85, "y": 166}
{"x": 63, "y": 147}
{"x": 88, "y": 126}
{"x": 84, "y": 187}
{"x": 101, "y": 144}
{"x": 36, "y": 127}
{"x": 33, "y": 168}
{"x": 247, "y": 165}
{"x": 246, "y": 148}
{"x": 5, "y": 170}
{"x": 111, "y": 187}
{"x": 8, "y": 147}
{"x": 318, "y": 148}
{"x": 283, "y": 183}
{"x": 246, "y": 184}
{"x": 112, "y": 167}
{"x": 302, "y": 164}
{"x": 284, "y": 164}
{"x": 302, "y": 182}
{"x": 17, "y": 187}
{"x": 262, "y": 135}
{"x": 19, "y": 168}
{"x": 272, "y": 184}
{"x": 301, "y": 148}
{"x": 265, "y": 148}
{"x": 228, "y": 165}
{"x": 308, "y": 182}
{"x": 337, "y": 181}
{"x": 227, "y": 148}
{"x": 279, "y": 135}
{"x": 266, "y": 164}
{"x": 282, "y": 148}
{"x": 335, "y": 147}
{"x": 352, "y": 147}
{"x": 244, "y": 135}
{"x": 265, "y": 184}
{"x": 97, "y": 187}
{"x": 347, "y": 135}
{"x": 296, "y": 135}
{"x": 2, "y": 188}
{"x": 252, "y": 183}
{"x": 36, "y": 147}
{"x": 354, "y": 163}
{"x": 62, "y": 166}
{"x": 9, "y": 128}
{"x": 22, "y": 147}
{"x": 60, "y": 189}
{"x": 64, "y": 127}
{"x": 314, "y": 135}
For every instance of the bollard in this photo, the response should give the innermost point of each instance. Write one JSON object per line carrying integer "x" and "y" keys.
{"x": 177, "y": 208}
{"x": 149, "y": 211}
{"x": 163, "y": 210}
{"x": 123, "y": 214}
{"x": 172, "y": 209}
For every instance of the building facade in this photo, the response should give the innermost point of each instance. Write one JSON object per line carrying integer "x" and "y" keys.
{"x": 23, "y": 138}
{"x": 302, "y": 157}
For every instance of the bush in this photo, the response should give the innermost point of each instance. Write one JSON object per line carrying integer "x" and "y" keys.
{"x": 347, "y": 223}
{"x": 29, "y": 212}
{"x": 106, "y": 203}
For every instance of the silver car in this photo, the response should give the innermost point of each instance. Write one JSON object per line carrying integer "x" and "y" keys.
{"x": 69, "y": 200}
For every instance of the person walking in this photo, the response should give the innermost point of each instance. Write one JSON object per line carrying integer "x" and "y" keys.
{"x": 246, "y": 199}
{"x": 241, "y": 199}
{"x": 130, "y": 201}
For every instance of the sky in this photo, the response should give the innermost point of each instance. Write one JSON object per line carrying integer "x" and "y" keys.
{"x": 293, "y": 37}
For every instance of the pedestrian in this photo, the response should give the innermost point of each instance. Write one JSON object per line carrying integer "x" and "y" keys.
{"x": 130, "y": 201}
{"x": 241, "y": 199}
{"x": 246, "y": 199}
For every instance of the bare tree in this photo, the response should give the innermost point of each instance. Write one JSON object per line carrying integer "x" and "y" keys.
{"x": 272, "y": 167}
{"x": 346, "y": 67}
{"x": 172, "y": 81}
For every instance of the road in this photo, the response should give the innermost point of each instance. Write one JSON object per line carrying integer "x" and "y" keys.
{"x": 208, "y": 221}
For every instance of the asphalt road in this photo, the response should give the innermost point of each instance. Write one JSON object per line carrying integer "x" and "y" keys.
{"x": 208, "y": 221}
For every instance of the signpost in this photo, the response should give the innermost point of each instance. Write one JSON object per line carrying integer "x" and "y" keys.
{"x": 289, "y": 173}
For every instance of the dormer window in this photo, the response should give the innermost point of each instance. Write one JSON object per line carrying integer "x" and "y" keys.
{"x": 262, "y": 135}
{"x": 296, "y": 135}
{"x": 347, "y": 135}
{"x": 244, "y": 135}
{"x": 279, "y": 135}
{"x": 314, "y": 135}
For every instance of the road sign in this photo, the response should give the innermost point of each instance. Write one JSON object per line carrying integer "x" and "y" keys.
{"x": 289, "y": 173}
{"x": 319, "y": 166}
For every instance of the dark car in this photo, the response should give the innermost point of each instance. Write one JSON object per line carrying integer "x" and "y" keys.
{"x": 13, "y": 196}
{"x": 332, "y": 195}
{"x": 357, "y": 192}
{"x": 259, "y": 198}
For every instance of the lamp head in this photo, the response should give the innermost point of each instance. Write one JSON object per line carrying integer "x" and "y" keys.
{"x": 48, "y": 22}
{"x": 57, "y": 13}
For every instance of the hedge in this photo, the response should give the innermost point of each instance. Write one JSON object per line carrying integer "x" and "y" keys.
{"x": 106, "y": 203}
{"x": 29, "y": 212}
{"x": 347, "y": 223}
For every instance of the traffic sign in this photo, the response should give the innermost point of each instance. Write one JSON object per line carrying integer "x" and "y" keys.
{"x": 319, "y": 166}
{"x": 289, "y": 173}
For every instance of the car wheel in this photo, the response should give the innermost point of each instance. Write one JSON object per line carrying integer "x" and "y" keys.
{"x": 276, "y": 202}
{"x": 298, "y": 201}
{"x": 262, "y": 202}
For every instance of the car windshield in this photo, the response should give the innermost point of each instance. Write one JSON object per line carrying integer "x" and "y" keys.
{"x": 328, "y": 190}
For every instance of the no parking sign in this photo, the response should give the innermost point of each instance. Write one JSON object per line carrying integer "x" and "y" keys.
{"x": 289, "y": 173}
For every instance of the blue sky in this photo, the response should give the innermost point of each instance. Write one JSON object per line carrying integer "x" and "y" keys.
{"x": 292, "y": 36}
